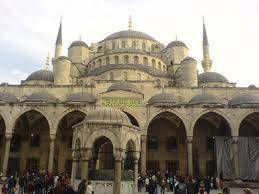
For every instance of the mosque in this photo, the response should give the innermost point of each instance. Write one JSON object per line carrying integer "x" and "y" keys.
{"x": 127, "y": 102}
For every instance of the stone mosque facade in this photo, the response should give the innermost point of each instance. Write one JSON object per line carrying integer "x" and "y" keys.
{"x": 126, "y": 102}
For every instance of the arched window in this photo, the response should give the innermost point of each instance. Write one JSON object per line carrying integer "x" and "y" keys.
{"x": 113, "y": 45}
{"x": 99, "y": 49}
{"x": 111, "y": 76}
{"x": 107, "y": 61}
{"x": 145, "y": 61}
{"x": 164, "y": 68}
{"x": 125, "y": 76}
{"x": 116, "y": 60}
{"x": 139, "y": 76}
{"x": 136, "y": 60}
{"x": 100, "y": 62}
{"x": 144, "y": 48}
{"x": 126, "y": 59}
{"x": 93, "y": 66}
{"x": 123, "y": 44}
{"x": 152, "y": 48}
{"x": 134, "y": 44}
{"x": 159, "y": 66}
{"x": 172, "y": 143}
{"x": 153, "y": 63}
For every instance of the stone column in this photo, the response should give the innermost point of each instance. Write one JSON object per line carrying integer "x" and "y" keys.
{"x": 236, "y": 154}
{"x": 189, "y": 153}
{"x": 136, "y": 159}
{"x": 8, "y": 138}
{"x": 51, "y": 152}
{"x": 143, "y": 154}
{"x": 118, "y": 156}
{"x": 74, "y": 170}
{"x": 86, "y": 157}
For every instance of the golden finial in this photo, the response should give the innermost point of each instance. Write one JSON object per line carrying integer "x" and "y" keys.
{"x": 47, "y": 62}
{"x": 130, "y": 23}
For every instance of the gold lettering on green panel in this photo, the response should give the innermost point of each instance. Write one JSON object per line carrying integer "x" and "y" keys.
{"x": 120, "y": 102}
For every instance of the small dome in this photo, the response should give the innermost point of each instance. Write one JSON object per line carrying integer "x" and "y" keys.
{"x": 7, "y": 97}
{"x": 107, "y": 114}
{"x": 79, "y": 43}
{"x": 129, "y": 34}
{"x": 188, "y": 59}
{"x": 41, "y": 97}
{"x": 205, "y": 99}
{"x": 42, "y": 75}
{"x": 176, "y": 43}
{"x": 244, "y": 99}
{"x": 81, "y": 97}
{"x": 252, "y": 86}
{"x": 162, "y": 98}
{"x": 212, "y": 77}
{"x": 124, "y": 86}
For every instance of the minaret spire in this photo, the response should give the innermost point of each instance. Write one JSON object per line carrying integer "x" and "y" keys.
{"x": 58, "y": 48}
{"x": 206, "y": 62}
{"x": 130, "y": 23}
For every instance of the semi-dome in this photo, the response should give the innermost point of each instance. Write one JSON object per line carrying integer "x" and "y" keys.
{"x": 124, "y": 86}
{"x": 205, "y": 99}
{"x": 41, "y": 75}
{"x": 79, "y": 43}
{"x": 244, "y": 99}
{"x": 129, "y": 34}
{"x": 212, "y": 77}
{"x": 41, "y": 97}
{"x": 7, "y": 97}
{"x": 162, "y": 98}
{"x": 176, "y": 43}
{"x": 107, "y": 114}
{"x": 81, "y": 97}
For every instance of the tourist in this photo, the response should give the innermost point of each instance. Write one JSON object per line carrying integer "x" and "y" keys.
{"x": 221, "y": 180}
{"x": 226, "y": 190}
{"x": 4, "y": 189}
{"x": 11, "y": 185}
{"x": 181, "y": 187}
{"x": 207, "y": 185}
{"x": 170, "y": 181}
{"x": 191, "y": 186}
{"x": 89, "y": 188}
{"x": 247, "y": 191}
{"x": 81, "y": 187}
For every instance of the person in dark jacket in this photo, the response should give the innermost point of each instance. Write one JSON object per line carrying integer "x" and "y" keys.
{"x": 82, "y": 187}
{"x": 207, "y": 185}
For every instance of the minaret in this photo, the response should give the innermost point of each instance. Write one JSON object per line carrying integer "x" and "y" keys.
{"x": 206, "y": 62}
{"x": 130, "y": 23}
{"x": 47, "y": 63}
{"x": 58, "y": 47}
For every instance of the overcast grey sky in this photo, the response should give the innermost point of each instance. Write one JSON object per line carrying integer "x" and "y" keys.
{"x": 29, "y": 28}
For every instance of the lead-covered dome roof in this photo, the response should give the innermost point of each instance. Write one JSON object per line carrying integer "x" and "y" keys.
{"x": 81, "y": 97}
{"x": 176, "y": 43}
{"x": 212, "y": 77}
{"x": 124, "y": 86}
{"x": 42, "y": 75}
{"x": 42, "y": 97}
{"x": 7, "y": 97}
{"x": 162, "y": 98}
{"x": 129, "y": 34}
{"x": 205, "y": 99}
{"x": 107, "y": 114}
{"x": 244, "y": 99}
{"x": 79, "y": 43}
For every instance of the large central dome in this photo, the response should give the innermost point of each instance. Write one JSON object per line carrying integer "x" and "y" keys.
{"x": 129, "y": 34}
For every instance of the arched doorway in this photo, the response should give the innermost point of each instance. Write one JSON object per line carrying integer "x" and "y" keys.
{"x": 129, "y": 159}
{"x": 102, "y": 163}
{"x": 63, "y": 150}
{"x": 166, "y": 144}
{"x": 29, "y": 150}
{"x": 206, "y": 129}
{"x": 249, "y": 126}
{"x": 2, "y": 140}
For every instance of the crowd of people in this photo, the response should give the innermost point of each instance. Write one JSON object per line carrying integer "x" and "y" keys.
{"x": 44, "y": 183}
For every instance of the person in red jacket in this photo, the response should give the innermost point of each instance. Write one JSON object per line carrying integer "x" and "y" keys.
{"x": 4, "y": 189}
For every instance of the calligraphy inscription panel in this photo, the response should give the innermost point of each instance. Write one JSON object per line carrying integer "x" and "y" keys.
{"x": 120, "y": 102}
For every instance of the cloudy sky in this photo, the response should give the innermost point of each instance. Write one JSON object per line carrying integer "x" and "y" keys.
{"x": 29, "y": 29}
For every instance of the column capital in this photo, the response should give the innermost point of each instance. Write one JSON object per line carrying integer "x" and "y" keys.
{"x": 52, "y": 137}
{"x": 8, "y": 135}
{"x": 86, "y": 154}
{"x": 143, "y": 138}
{"x": 189, "y": 139}
{"x": 118, "y": 154}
